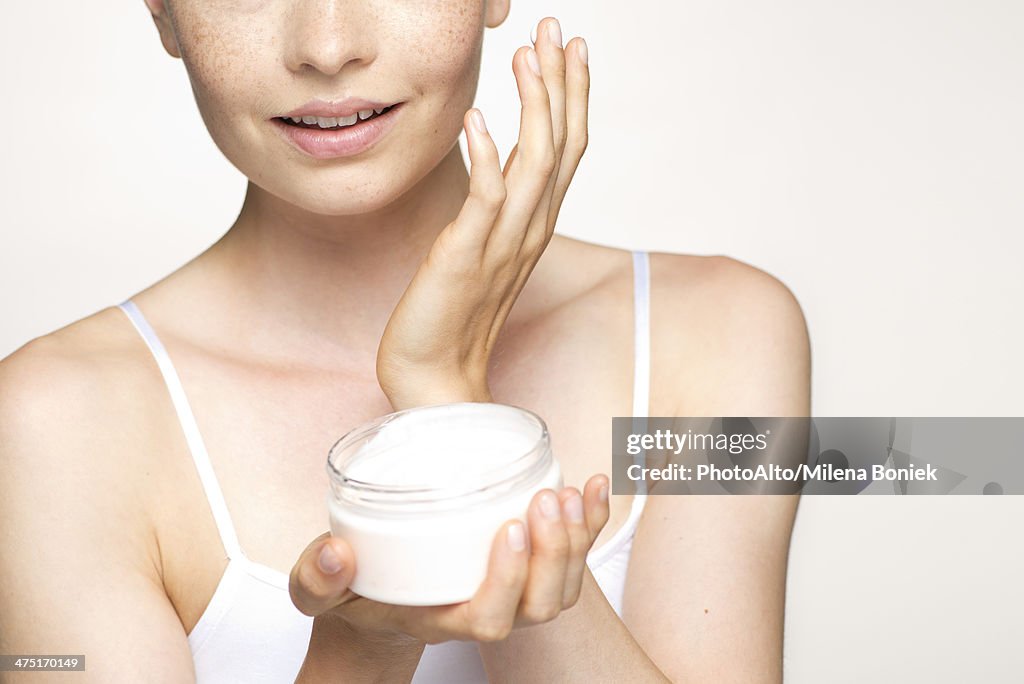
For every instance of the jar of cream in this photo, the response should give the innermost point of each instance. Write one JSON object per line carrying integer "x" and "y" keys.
{"x": 420, "y": 494}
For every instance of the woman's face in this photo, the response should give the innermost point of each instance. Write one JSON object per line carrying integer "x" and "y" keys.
{"x": 254, "y": 63}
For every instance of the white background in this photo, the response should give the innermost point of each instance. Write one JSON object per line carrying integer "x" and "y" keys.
{"x": 869, "y": 154}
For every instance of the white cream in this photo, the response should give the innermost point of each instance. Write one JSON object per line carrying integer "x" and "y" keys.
{"x": 446, "y": 478}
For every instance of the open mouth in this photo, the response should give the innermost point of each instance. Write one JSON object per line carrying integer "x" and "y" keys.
{"x": 326, "y": 123}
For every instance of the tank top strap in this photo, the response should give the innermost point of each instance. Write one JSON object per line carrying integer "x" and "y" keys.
{"x": 641, "y": 359}
{"x": 191, "y": 429}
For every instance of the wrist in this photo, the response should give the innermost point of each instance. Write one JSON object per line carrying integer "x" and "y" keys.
{"x": 339, "y": 651}
{"x": 427, "y": 393}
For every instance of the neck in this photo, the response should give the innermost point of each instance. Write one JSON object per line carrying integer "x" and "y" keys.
{"x": 334, "y": 278}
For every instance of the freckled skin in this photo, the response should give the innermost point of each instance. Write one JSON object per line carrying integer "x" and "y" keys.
{"x": 251, "y": 60}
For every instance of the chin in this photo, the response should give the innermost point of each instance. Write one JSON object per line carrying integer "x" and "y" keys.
{"x": 358, "y": 186}
{"x": 340, "y": 199}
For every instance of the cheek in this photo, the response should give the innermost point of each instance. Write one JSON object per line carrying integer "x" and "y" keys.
{"x": 222, "y": 47}
{"x": 441, "y": 42}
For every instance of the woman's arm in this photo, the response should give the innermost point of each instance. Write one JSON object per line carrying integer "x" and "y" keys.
{"x": 587, "y": 643}
{"x": 705, "y": 590}
{"x": 74, "y": 567}
{"x": 706, "y": 593}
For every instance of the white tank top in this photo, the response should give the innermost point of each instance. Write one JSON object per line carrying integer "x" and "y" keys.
{"x": 252, "y": 632}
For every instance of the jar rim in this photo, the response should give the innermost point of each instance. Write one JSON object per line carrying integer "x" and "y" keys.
{"x": 500, "y": 477}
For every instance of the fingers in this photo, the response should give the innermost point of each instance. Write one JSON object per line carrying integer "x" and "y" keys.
{"x": 579, "y": 543}
{"x": 531, "y": 583}
{"x": 585, "y": 515}
{"x": 536, "y": 138}
{"x": 319, "y": 580}
{"x": 526, "y": 178}
{"x": 486, "y": 187}
{"x": 577, "y": 106}
{"x": 595, "y": 504}
{"x": 577, "y": 101}
{"x": 490, "y": 614}
{"x": 553, "y": 68}
{"x": 509, "y": 161}
{"x": 507, "y": 225}
{"x": 533, "y": 574}
{"x": 492, "y": 610}
{"x": 566, "y": 79}
{"x": 549, "y": 555}
{"x": 527, "y": 223}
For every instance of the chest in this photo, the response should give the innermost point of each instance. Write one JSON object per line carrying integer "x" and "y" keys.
{"x": 268, "y": 433}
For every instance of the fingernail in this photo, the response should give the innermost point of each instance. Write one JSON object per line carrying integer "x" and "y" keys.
{"x": 478, "y": 121}
{"x": 516, "y": 537}
{"x": 583, "y": 51}
{"x": 549, "y": 506}
{"x": 531, "y": 58}
{"x": 602, "y": 493}
{"x": 574, "y": 508}
{"x": 555, "y": 33}
{"x": 329, "y": 561}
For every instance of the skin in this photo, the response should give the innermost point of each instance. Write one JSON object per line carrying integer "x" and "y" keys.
{"x": 308, "y": 317}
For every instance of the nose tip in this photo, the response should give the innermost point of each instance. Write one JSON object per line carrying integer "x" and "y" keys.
{"x": 328, "y": 59}
{"x": 324, "y": 38}
{"x": 329, "y": 54}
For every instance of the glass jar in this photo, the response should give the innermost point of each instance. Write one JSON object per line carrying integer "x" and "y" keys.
{"x": 420, "y": 494}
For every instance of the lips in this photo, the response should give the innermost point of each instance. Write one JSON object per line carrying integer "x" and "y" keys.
{"x": 330, "y": 122}
{"x": 339, "y": 109}
{"x": 329, "y": 131}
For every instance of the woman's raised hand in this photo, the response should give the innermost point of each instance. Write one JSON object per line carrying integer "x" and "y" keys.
{"x": 437, "y": 343}
{"x": 528, "y": 581}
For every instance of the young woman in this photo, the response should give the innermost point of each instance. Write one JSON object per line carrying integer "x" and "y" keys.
{"x": 165, "y": 518}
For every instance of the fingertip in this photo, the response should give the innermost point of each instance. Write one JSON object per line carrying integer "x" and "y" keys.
{"x": 533, "y": 62}
{"x": 510, "y": 541}
{"x": 519, "y": 56}
{"x": 573, "y": 505}
{"x": 596, "y": 502}
{"x": 548, "y": 505}
{"x": 595, "y": 485}
{"x": 477, "y": 119}
{"x": 496, "y": 599}
{"x": 515, "y": 537}
{"x": 329, "y": 561}
{"x": 336, "y": 562}
{"x": 566, "y": 493}
{"x": 581, "y": 49}
{"x": 528, "y": 60}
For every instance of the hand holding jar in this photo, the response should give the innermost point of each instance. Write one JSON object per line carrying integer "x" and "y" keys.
{"x": 529, "y": 580}
{"x": 428, "y": 507}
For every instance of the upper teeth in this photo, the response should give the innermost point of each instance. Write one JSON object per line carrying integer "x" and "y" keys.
{"x": 332, "y": 122}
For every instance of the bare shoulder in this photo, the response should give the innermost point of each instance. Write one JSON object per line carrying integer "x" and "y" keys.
{"x": 80, "y": 562}
{"x": 731, "y": 337}
{"x": 82, "y": 372}
{"x": 73, "y": 411}
{"x": 584, "y": 272}
{"x": 727, "y": 338}
{"x": 727, "y": 294}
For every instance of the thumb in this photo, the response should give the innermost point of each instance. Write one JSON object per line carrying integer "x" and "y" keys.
{"x": 319, "y": 579}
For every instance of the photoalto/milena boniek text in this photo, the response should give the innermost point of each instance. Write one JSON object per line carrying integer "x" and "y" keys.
{"x": 824, "y": 455}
